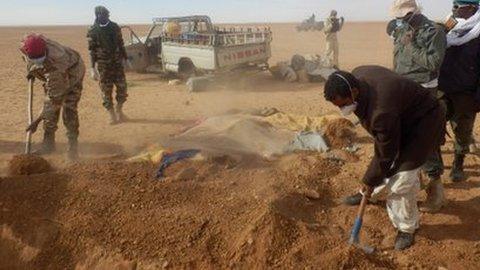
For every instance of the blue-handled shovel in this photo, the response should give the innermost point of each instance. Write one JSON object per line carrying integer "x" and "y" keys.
{"x": 355, "y": 235}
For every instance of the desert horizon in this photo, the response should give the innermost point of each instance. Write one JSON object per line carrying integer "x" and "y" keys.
{"x": 105, "y": 212}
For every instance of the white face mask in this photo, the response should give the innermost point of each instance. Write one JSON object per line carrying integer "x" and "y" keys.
{"x": 349, "y": 109}
{"x": 104, "y": 25}
{"x": 460, "y": 20}
{"x": 38, "y": 62}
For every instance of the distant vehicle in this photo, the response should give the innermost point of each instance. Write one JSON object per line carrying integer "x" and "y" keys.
{"x": 310, "y": 24}
{"x": 191, "y": 46}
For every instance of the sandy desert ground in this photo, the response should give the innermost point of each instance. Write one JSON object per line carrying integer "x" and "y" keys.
{"x": 102, "y": 213}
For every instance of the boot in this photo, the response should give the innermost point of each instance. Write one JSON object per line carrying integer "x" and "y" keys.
{"x": 457, "y": 174}
{"x": 72, "y": 152}
{"x": 113, "y": 117}
{"x": 121, "y": 116}
{"x": 404, "y": 240}
{"x": 353, "y": 199}
{"x": 435, "y": 197}
{"x": 48, "y": 144}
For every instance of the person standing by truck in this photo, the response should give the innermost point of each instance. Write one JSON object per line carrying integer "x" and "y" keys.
{"x": 332, "y": 26}
{"x": 108, "y": 55}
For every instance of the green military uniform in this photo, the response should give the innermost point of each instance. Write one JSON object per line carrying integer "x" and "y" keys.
{"x": 332, "y": 26}
{"x": 419, "y": 49}
{"x": 107, "y": 50}
{"x": 463, "y": 109}
{"x": 62, "y": 73}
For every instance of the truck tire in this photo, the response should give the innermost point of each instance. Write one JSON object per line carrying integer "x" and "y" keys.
{"x": 186, "y": 68}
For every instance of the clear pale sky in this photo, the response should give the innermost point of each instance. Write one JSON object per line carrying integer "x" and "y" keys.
{"x": 60, "y": 12}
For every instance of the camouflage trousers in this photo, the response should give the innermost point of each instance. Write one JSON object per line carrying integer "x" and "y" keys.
{"x": 113, "y": 75}
{"x": 462, "y": 120}
{"x": 434, "y": 167}
{"x": 461, "y": 113}
{"x": 67, "y": 104}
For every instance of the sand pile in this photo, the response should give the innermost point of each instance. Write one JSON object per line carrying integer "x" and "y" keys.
{"x": 28, "y": 165}
{"x": 222, "y": 214}
{"x": 227, "y": 214}
{"x": 340, "y": 133}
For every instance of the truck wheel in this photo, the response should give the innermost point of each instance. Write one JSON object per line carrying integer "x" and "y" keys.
{"x": 186, "y": 69}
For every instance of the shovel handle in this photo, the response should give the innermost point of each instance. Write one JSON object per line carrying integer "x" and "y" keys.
{"x": 357, "y": 226}
{"x": 363, "y": 206}
{"x": 28, "y": 146}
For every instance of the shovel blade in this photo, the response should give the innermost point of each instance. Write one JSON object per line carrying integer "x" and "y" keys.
{"x": 365, "y": 249}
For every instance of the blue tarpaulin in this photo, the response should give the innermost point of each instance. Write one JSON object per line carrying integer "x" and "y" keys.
{"x": 169, "y": 159}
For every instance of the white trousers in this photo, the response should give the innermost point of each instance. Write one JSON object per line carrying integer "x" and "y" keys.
{"x": 401, "y": 194}
{"x": 331, "y": 50}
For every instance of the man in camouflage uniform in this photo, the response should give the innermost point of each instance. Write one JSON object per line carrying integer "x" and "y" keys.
{"x": 419, "y": 50}
{"x": 107, "y": 53}
{"x": 332, "y": 26}
{"x": 62, "y": 71}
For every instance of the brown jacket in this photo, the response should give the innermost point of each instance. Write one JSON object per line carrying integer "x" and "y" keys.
{"x": 406, "y": 122}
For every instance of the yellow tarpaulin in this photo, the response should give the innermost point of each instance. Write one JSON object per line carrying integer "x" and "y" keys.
{"x": 153, "y": 154}
{"x": 300, "y": 122}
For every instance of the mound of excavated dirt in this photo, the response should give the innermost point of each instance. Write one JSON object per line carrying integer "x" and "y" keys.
{"x": 28, "y": 165}
{"x": 339, "y": 133}
{"x": 224, "y": 214}
{"x": 214, "y": 214}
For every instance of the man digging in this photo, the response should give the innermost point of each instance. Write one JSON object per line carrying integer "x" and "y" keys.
{"x": 62, "y": 71}
{"x": 396, "y": 111}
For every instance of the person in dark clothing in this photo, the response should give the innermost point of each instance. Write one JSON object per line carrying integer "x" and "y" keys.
{"x": 107, "y": 54}
{"x": 397, "y": 112}
{"x": 460, "y": 79}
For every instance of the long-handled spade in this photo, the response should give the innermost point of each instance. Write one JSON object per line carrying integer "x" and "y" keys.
{"x": 28, "y": 146}
{"x": 355, "y": 235}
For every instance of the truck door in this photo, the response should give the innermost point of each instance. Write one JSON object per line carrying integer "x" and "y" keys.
{"x": 137, "y": 51}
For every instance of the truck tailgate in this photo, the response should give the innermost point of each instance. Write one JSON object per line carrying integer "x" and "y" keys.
{"x": 231, "y": 56}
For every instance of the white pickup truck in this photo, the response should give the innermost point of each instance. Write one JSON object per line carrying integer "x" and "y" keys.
{"x": 190, "y": 46}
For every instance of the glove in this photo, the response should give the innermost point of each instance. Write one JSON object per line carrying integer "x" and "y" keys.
{"x": 94, "y": 74}
{"x": 367, "y": 191}
{"x": 34, "y": 126}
